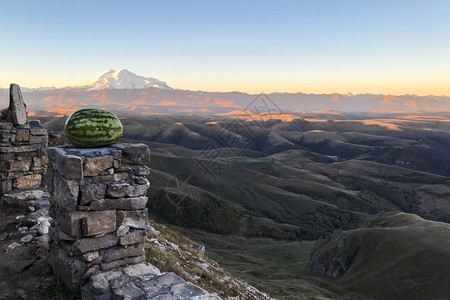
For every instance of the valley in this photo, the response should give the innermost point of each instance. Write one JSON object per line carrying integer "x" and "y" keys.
{"x": 259, "y": 193}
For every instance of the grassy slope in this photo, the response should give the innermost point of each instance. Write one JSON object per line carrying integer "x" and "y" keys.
{"x": 400, "y": 256}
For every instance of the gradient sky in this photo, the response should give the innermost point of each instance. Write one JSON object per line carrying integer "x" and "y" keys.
{"x": 388, "y": 47}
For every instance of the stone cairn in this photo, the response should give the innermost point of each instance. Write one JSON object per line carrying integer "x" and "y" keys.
{"x": 23, "y": 154}
{"x": 100, "y": 220}
{"x": 98, "y": 205}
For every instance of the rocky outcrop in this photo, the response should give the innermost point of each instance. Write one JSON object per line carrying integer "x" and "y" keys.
{"x": 16, "y": 112}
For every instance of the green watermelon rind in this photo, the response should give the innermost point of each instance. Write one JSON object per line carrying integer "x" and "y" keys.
{"x": 93, "y": 128}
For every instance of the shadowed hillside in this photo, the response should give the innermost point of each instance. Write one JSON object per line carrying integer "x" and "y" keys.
{"x": 250, "y": 190}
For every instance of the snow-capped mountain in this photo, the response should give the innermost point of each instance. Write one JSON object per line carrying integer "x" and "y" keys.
{"x": 122, "y": 79}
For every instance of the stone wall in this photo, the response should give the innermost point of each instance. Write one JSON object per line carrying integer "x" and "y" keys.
{"x": 98, "y": 204}
{"x": 23, "y": 158}
{"x": 23, "y": 147}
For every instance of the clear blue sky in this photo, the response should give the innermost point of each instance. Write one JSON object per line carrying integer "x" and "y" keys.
{"x": 390, "y": 47}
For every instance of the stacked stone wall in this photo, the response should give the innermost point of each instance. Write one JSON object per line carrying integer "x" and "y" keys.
{"x": 98, "y": 205}
{"x": 23, "y": 147}
{"x": 23, "y": 157}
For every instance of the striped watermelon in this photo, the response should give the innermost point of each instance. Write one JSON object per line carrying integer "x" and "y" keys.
{"x": 93, "y": 128}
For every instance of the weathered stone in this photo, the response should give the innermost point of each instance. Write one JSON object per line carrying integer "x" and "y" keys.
{"x": 119, "y": 252}
{"x": 38, "y": 131}
{"x": 15, "y": 165}
{"x": 68, "y": 269}
{"x": 90, "y": 270}
{"x": 118, "y": 190}
{"x": 120, "y": 203}
{"x": 22, "y": 135}
{"x": 94, "y": 243}
{"x": 43, "y": 227}
{"x": 117, "y": 163}
{"x": 6, "y": 125}
{"x": 141, "y": 269}
{"x": 99, "y": 284}
{"x": 122, "y": 262}
{"x": 141, "y": 180}
{"x": 136, "y": 154}
{"x": 133, "y": 237}
{"x": 93, "y": 166}
{"x": 17, "y": 113}
{"x": 90, "y": 256}
{"x": 189, "y": 291}
{"x": 34, "y": 123}
{"x": 26, "y": 239}
{"x": 91, "y": 191}
{"x": 21, "y": 198}
{"x": 56, "y": 234}
{"x": 165, "y": 279}
{"x": 12, "y": 246}
{"x": 28, "y": 181}
{"x": 36, "y": 139}
{"x": 5, "y": 186}
{"x": 124, "y": 287}
{"x": 122, "y": 230}
{"x": 20, "y": 149}
{"x": 40, "y": 161}
{"x": 69, "y": 166}
{"x": 65, "y": 193}
{"x": 88, "y": 223}
{"x": 134, "y": 218}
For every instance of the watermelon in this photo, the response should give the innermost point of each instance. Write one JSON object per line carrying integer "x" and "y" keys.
{"x": 93, "y": 128}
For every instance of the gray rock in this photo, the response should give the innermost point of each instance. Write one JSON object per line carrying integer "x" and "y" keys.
{"x": 122, "y": 262}
{"x": 69, "y": 166}
{"x": 90, "y": 256}
{"x": 122, "y": 230}
{"x": 43, "y": 227}
{"x": 93, "y": 166}
{"x": 141, "y": 269}
{"x": 188, "y": 291}
{"x": 56, "y": 234}
{"x": 27, "y": 181}
{"x": 12, "y": 246}
{"x": 99, "y": 284}
{"x": 117, "y": 190}
{"x": 133, "y": 237}
{"x": 27, "y": 239}
{"x": 22, "y": 135}
{"x": 120, "y": 203}
{"x": 124, "y": 287}
{"x": 119, "y": 252}
{"x": 38, "y": 131}
{"x": 88, "y": 223}
{"x": 35, "y": 123}
{"x": 91, "y": 191}
{"x": 135, "y": 154}
{"x": 65, "y": 192}
{"x": 6, "y": 125}
{"x": 21, "y": 198}
{"x": 17, "y": 113}
{"x": 95, "y": 243}
{"x": 69, "y": 269}
{"x": 135, "y": 218}
{"x": 38, "y": 139}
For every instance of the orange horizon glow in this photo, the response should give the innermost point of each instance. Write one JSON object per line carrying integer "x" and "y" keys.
{"x": 434, "y": 90}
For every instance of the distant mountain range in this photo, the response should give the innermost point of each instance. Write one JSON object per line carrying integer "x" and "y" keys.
{"x": 127, "y": 93}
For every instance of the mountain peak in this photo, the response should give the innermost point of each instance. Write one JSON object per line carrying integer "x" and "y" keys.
{"x": 123, "y": 79}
